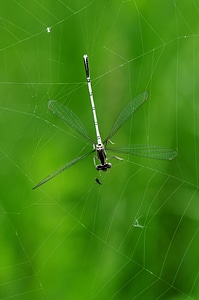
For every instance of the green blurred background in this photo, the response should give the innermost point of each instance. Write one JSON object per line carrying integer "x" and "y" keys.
{"x": 135, "y": 236}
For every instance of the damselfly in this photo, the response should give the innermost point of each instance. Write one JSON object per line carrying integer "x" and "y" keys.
{"x": 71, "y": 119}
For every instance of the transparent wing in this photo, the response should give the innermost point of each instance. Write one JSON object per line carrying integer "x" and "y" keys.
{"x": 149, "y": 151}
{"x": 127, "y": 112}
{"x": 69, "y": 117}
{"x": 63, "y": 168}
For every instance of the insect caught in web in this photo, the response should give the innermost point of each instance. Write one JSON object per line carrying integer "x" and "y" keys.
{"x": 72, "y": 120}
{"x": 98, "y": 181}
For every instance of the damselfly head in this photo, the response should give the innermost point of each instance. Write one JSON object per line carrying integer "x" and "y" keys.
{"x": 103, "y": 167}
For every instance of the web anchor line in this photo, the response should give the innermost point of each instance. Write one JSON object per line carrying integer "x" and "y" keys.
{"x": 72, "y": 120}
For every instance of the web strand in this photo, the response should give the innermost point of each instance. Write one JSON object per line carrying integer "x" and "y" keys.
{"x": 136, "y": 235}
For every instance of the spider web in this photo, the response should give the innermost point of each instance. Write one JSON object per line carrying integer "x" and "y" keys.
{"x": 136, "y": 235}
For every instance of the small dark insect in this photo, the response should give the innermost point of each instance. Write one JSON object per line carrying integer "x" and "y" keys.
{"x": 98, "y": 181}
